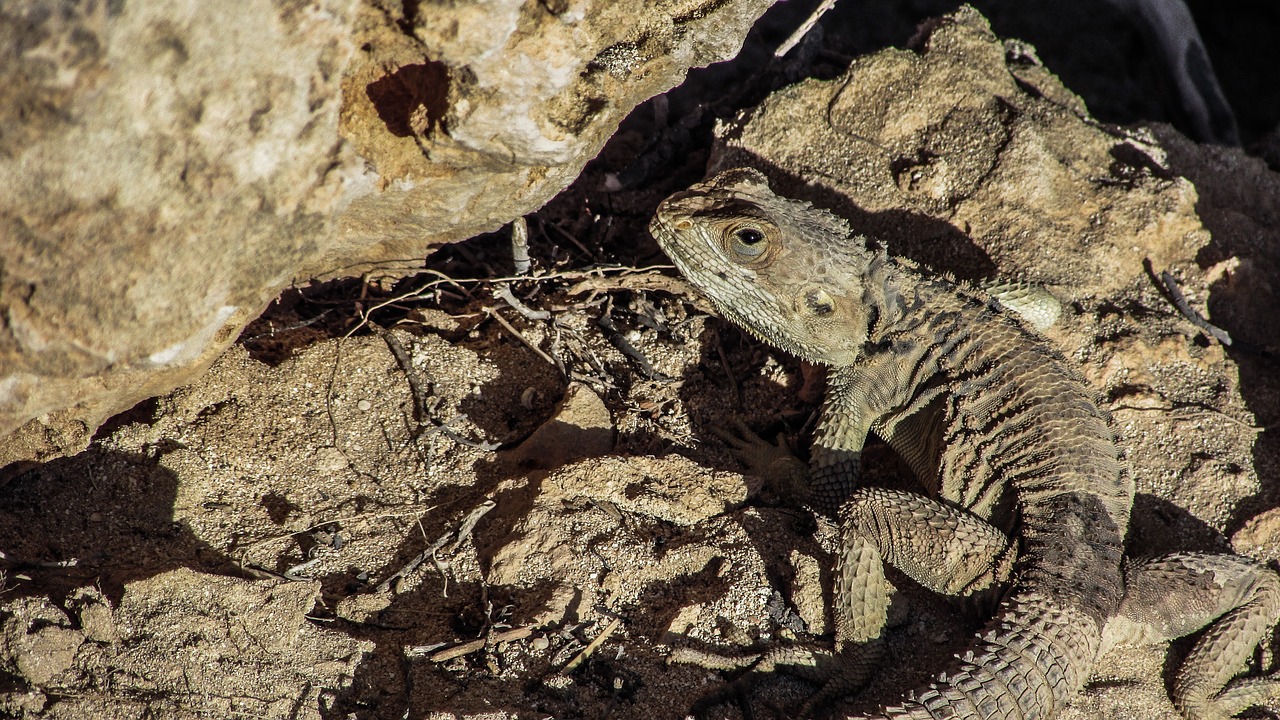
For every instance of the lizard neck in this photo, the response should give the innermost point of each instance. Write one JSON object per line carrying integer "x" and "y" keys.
{"x": 895, "y": 294}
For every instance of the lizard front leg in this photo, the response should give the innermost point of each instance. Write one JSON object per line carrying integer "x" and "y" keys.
{"x": 944, "y": 548}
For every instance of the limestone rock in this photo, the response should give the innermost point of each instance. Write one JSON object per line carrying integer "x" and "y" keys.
{"x": 38, "y": 641}
{"x": 169, "y": 167}
{"x": 472, "y": 113}
{"x": 166, "y": 167}
{"x": 966, "y": 154}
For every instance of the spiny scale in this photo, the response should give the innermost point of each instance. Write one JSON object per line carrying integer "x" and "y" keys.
{"x": 1011, "y": 445}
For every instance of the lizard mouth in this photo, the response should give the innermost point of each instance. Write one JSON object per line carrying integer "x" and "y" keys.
{"x": 663, "y": 231}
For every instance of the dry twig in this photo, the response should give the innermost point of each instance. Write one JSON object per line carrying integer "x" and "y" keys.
{"x": 624, "y": 346}
{"x": 503, "y": 293}
{"x": 493, "y": 313}
{"x": 420, "y": 393}
{"x": 586, "y": 652}
{"x": 462, "y": 533}
{"x": 1190, "y": 313}
{"x": 804, "y": 28}
{"x": 470, "y": 646}
{"x": 520, "y": 246}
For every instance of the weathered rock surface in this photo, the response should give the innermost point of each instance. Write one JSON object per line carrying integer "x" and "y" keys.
{"x": 189, "y": 635}
{"x": 39, "y": 640}
{"x": 169, "y": 167}
{"x": 972, "y": 137}
{"x": 969, "y": 156}
{"x": 470, "y": 114}
{"x": 166, "y": 167}
{"x": 323, "y": 467}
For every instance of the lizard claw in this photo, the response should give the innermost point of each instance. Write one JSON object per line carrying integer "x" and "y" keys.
{"x": 1239, "y": 695}
{"x": 838, "y": 674}
{"x": 760, "y": 456}
{"x": 744, "y": 437}
{"x": 785, "y": 474}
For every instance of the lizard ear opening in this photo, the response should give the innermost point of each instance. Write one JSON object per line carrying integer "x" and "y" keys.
{"x": 819, "y": 302}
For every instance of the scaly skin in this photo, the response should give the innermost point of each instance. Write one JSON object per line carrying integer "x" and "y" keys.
{"x": 1012, "y": 446}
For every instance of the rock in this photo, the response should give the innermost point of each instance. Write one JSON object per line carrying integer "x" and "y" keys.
{"x": 168, "y": 167}
{"x": 94, "y": 612}
{"x": 965, "y": 154}
{"x": 971, "y": 158}
{"x": 23, "y": 704}
{"x": 1260, "y": 537}
{"x": 575, "y": 531}
{"x": 670, "y": 488}
{"x": 580, "y": 427}
{"x": 171, "y": 167}
{"x": 37, "y": 641}
{"x": 270, "y": 615}
{"x": 806, "y": 593}
{"x": 473, "y": 113}
{"x": 221, "y": 639}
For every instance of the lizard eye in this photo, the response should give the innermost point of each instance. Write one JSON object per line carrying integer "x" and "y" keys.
{"x": 748, "y": 242}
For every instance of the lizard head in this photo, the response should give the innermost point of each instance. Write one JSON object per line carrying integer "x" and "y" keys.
{"x": 792, "y": 274}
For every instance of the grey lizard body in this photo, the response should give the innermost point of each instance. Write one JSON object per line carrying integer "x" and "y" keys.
{"x": 1014, "y": 451}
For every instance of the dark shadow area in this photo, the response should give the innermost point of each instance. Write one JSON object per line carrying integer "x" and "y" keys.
{"x": 440, "y": 612}
{"x": 301, "y": 317}
{"x": 412, "y": 101}
{"x": 1239, "y": 203}
{"x": 1240, "y": 37}
{"x": 101, "y": 517}
{"x": 320, "y": 310}
{"x": 385, "y": 682}
{"x": 1101, "y": 53}
{"x": 144, "y": 412}
{"x": 1158, "y": 527}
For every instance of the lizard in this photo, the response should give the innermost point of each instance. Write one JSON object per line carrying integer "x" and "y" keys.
{"x": 1023, "y": 481}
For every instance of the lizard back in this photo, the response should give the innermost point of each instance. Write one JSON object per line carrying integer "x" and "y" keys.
{"x": 986, "y": 414}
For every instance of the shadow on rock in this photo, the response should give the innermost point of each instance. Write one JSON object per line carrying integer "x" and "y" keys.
{"x": 1238, "y": 201}
{"x": 101, "y": 517}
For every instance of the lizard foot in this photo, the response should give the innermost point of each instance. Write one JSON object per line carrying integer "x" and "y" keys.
{"x": 1237, "y": 599}
{"x": 1261, "y": 692}
{"x": 838, "y": 673}
{"x": 775, "y": 462}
